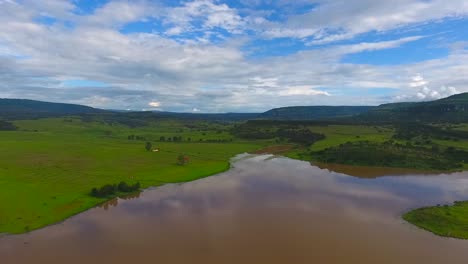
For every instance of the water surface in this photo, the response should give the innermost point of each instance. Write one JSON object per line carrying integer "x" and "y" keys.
{"x": 264, "y": 210}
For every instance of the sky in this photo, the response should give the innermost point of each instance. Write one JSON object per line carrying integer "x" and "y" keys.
{"x": 232, "y": 56}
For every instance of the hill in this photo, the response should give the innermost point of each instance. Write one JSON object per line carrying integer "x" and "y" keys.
{"x": 451, "y": 109}
{"x": 313, "y": 112}
{"x": 23, "y": 108}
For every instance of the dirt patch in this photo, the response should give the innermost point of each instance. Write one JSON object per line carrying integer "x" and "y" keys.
{"x": 278, "y": 149}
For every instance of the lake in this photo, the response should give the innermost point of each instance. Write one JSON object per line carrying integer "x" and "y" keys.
{"x": 265, "y": 209}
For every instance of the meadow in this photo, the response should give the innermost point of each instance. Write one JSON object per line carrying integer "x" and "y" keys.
{"x": 49, "y": 166}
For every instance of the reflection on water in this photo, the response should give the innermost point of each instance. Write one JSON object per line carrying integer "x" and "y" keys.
{"x": 114, "y": 202}
{"x": 370, "y": 172}
{"x": 264, "y": 210}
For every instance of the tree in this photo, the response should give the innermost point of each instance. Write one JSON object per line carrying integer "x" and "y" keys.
{"x": 182, "y": 160}
{"x": 162, "y": 138}
{"x": 148, "y": 146}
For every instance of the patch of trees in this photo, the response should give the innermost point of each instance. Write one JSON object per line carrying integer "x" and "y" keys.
{"x": 113, "y": 189}
{"x": 409, "y": 131}
{"x": 7, "y": 126}
{"x": 390, "y": 154}
{"x": 302, "y": 136}
{"x": 172, "y": 139}
{"x": 135, "y": 137}
{"x": 292, "y": 131}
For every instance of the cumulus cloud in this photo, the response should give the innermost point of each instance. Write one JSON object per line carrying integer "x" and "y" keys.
{"x": 424, "y": 93}
{"x": 186, "y": 71}
{"x": 417, "y": 81}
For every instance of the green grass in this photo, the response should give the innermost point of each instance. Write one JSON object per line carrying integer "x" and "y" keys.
{"x": 340, "y": 134}
{"x": 46, "y": 176}
{"x": 447, "y": 221}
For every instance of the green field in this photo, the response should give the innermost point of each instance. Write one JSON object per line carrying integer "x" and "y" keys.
{"x": 49, "y": 166}
{"x": 449, "y": 221}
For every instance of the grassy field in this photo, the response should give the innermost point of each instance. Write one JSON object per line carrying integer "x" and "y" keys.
{"x": 449, "y": 221}
{"x": 49, "y": 166}
{"x": 340, "y": 134}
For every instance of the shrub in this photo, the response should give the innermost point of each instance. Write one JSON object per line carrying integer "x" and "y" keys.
{"x": 109, "y": 190}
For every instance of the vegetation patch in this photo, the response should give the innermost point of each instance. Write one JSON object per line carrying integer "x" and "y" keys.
{"x": 7, "y": 126}
{"x": 114, "y": 189}
{"x": 293, "y": 132}
{"x": 391, "y": 154}
{"x": 446, "y": 220}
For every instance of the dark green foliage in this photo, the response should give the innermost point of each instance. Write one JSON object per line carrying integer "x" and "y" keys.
{"x": 302, "y": 136}
{"x": 30, "y": 109}
{"x": 124, "y": 187}
{"x": 7, "y": 126}
{"x": 176, "y": 138}
{"x": 452, "y": 109}
{"x": 313, "y": 112}
{"x": 294, "y": 132}
{"x": 104, "y": 191}
{"x": 182, "y": 160}
{"x": 390, "y": 154}
{"x": 409, "y": 131}
{"x": 148, "y": 146}
{"x": 111, "y": 190}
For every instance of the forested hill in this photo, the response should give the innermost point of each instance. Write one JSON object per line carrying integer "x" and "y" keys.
{"x": 22, "y": 108}
{"x": 313, "y": 112}
{"x": 450, "y": 109}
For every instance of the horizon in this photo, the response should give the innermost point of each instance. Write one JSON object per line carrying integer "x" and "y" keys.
{"x": 214, "y": 113}
{"x": 210, "y": 56}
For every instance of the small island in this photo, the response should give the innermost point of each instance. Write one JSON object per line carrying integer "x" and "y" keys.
{"x": 442, "y": 220}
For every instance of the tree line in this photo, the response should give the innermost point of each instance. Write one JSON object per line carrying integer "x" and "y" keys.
{"x": 112, "y": 189}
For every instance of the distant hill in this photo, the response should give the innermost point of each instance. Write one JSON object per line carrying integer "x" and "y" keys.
{"x": 23, "y": 108}
{"x": 212, "y": 117}
{"x": 451, "y": 109}
{"x": 313, "y": 112}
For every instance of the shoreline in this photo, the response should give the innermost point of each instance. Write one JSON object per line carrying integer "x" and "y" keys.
{"x": 110, "y": 198}
{"x": 274, "y": 150}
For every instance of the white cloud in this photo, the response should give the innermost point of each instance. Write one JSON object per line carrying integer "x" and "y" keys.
{"x": 301, "y": 90}
{"x": 417, "y": 81}
{"x": 334, "y": 20}
{"x": 154, "y": 104}
{"x": 424, "y": 92}
{"x": 207, "y": 12}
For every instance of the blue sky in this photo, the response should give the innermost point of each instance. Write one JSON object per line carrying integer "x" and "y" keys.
{"x": 232, "y": 56}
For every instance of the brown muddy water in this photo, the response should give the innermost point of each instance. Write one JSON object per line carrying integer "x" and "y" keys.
{"x": 263, "y": 210}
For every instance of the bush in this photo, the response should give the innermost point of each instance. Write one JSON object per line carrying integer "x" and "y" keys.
{"x": 110, "y": 190}
{"x": 182, "y": 160}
